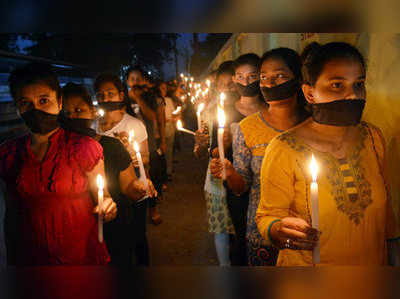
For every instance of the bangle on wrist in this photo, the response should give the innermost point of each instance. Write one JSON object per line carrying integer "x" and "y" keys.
{"x": 269, "y": 232}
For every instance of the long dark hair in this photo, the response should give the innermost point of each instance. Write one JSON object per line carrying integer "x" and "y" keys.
{"x": 293, "y": 61}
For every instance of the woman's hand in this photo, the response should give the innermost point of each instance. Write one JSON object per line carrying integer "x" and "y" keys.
{"x": 109, "y": 211}
{"x": 152, "y": 192}
{"x": 294, "y": 233}
{"x": 216, "y": 168}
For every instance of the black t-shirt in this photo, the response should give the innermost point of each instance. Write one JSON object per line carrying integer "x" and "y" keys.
{"x": 116, "y": 160}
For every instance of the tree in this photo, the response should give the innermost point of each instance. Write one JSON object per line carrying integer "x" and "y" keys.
{"x": 205, "y": 51}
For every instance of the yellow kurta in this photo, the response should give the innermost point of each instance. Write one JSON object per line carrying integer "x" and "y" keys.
{"x": 355, "y": 214}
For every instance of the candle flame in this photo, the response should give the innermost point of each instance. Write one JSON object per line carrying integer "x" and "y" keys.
{"x": 186, "y": 78}
{"x": 190, "y": 85}
{"x": 100, "y": 182}
{"x": 191, "y": 79}
{"x": 101, "y": 112}
{"x": 131, "y": 135}
{"x": 193, "y": 99}
{"x": 222, "y": 98}
{"x": 208, "y": 82}
{"x": 221, "y": 117}
{"x": 200, "y": 108}
{"x": 181, "y": 75}
{"x": 314, "y": 168}
{"x": 136, "y": 146}
{"x": 179, "y": 125}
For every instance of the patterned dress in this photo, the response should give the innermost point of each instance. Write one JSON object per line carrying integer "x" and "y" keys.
{"x": 249, "y": 146}
{"x": 356, "y": 215}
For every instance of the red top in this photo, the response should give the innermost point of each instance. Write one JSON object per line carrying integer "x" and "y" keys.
{"x": 55, "y": 222}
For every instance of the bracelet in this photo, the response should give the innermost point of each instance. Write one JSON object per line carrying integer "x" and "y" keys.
{"x": 269, "y": 231}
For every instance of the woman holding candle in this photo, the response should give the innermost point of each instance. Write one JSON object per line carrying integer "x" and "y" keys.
{"x": 122, "y": 183}
{"x": 279, "y": 68}
{"x": 51, "y": 176}
{"x": 117, "y": 123}
{"x": 356, "y": 217}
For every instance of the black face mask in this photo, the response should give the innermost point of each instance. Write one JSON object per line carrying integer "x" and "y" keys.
{"x": 77, "y": 125}
{"x": 112, "y": 106}
{"x": 280, "y": 92}
{"x": 338, "y": 113}
{"x": 40, "y": 122}
{"x": 250, "y": 90}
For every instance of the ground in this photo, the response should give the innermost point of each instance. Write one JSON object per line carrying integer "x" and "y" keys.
{"x": 183, "y": 238}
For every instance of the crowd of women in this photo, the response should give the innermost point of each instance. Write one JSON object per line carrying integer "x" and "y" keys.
{"x": 280, "y": 110}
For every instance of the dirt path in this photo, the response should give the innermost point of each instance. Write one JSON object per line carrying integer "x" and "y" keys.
{"x": 183, "y": 238}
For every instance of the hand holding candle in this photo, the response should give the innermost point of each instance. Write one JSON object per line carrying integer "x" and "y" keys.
{"x": 100, "y": 195}
{"x": 314, "y": 206}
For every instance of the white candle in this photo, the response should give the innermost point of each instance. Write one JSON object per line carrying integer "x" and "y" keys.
{"x": 180, "y": 128}
{"x": 101, "y": 112}
{"x": 314, "y": 206}
{"x": 208, "y": 83}
{"x": 199, "y": 109}
{"x": 100, "y": 195}
{"x": 181, "y": 75}
{"x": 178, "y": 109}
{"x": 221, "y": 123}
{"x": 222, "y": 98}
{"x": 141, "y": 166}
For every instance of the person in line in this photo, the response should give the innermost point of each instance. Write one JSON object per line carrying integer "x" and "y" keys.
{"x": 280, "y": 82}
{"x": 170, "y": 127}
{"x": 117, "y": 123}
{"x": 246, "y": 79}
{"x": 356, "y": 218}
{"x": 145, "y": 105}
{"x": 51, "y": 176}
{"x": 122, "y": 182}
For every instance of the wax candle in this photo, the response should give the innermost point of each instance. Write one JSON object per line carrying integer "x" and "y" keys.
{"x": 208, "y": 83}
{"x": 199, "y": 109}
{"x": 101, "y": 112}
{"x": 100, "y": 195}
{"x": 140, "y": 162}
{"x": 314, "y": 206}
{"x": 221, "y": 123}
{"x": 180, "y": 128}
{"x": 177, "y": 110}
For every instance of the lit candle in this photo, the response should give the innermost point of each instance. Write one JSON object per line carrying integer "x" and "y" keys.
{"x": 181, "y": 75}
{"x": 101, "y": 112}
{"x": 177, "y": 110}
{"x": 100, "y": 195}
{"x": 193, "y": 99}
{"x": 199, "y": 109}
{"x": 190, "y": 85}
{"x": 314, "y": 205}
{"x": 221, "y": 123}
{"x": 186, "y": 79}
{"x": 180, "y": 128}
{"x": 222, "y": 98}
{"x": 182, "y": 98}
{"x": 191, "y": 79}
{"x": 140, "y": 162}
{"x": 208, "y": 83}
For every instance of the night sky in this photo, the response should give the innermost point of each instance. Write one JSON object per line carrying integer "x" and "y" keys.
{"x": 184, "y": 41}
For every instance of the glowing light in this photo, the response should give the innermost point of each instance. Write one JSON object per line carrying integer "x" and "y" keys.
{"x": 136, "y": 146}
{"x": 221, "y": 117}
{"x": 100, "y": 181}
{"x": 131, "y": 135}
{"x": 222, "y": 98}
{"x": 314, "y": 168}
{"x": 200, "y": 108}
{"x": 101, "y": 112}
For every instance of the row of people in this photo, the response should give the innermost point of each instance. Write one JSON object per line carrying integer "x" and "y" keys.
{"x": 50, "y": 173}
{"x": 289, "y": 107}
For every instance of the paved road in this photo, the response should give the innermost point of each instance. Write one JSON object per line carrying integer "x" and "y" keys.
{"x": 182, "y": 239}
